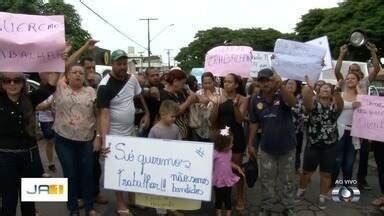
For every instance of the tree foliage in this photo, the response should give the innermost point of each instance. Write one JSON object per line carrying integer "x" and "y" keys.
{"x": 259, "y": 39}
{"x": 73, "y": 31}
{"x": 337, "y": 23}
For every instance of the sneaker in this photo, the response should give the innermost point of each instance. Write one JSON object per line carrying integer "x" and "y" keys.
{"x": 289, "y": 212}
{"x": 322, "y": 200}
{"x": 299, "y": 195}
{"x": 363, "y": 185}
{"x": 52, "y": 168}
{"x": 100, "y": 199}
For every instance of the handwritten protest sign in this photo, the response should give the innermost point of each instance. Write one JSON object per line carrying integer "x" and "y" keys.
{"x": 222, "y": 60}
{"x": 368, "y": 119}
{"x": 170, "y": 168}
{"x": 31, "y": 43}
{"x": 323, "y": 43}
{"x": 260, "y": 60}
{"x": 163, "y": 202}
{"x": 295, "y": 60}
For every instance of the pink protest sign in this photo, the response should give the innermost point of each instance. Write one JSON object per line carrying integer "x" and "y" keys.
{"x": 222, "y": 60}
{"x": 368, "y": 119}
{"x": 31, "y": 43}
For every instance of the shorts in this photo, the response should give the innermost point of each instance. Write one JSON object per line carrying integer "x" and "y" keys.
{"x": 325, "y": 156}
{"x": 46, "y": 128}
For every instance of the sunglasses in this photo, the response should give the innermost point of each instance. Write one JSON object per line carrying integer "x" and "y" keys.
{"x": 14, "y": 81}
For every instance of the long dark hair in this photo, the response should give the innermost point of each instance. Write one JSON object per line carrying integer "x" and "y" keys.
{"x": 240, "y": 86}
{"x": 298, "y": 86}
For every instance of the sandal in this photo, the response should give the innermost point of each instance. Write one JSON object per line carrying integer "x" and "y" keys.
{"x": 378, "y": 202}
{"x": 124, "y": 212}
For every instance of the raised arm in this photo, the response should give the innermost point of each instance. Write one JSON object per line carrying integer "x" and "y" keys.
{"x": 375, "y": 61}
{"x": 338, "y": 100}
{"x": 343, "y": 51}
{"x": 240, "y": 108}
{"x": 307, "y": 99}
{"x": 90, "y": 44}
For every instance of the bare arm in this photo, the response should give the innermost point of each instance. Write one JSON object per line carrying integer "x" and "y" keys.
{"x": 343, "y": 51}
{"x": 240, "y": 109}
{"x": 253, "y": 127}
{"x": 338, "y": 101}
{"x": 44, "y": 106}
{"x": 288, "y": 97}
{"x": 103, "y": 122}
{"x": 308, "y": 99}
{"x": 90, "y": 44}
{"x": 375, "y": 61}
{"x": 185, "y": 106}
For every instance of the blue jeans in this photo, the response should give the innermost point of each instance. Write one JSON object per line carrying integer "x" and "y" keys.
{"x": 345, "y": 157}
{"x": 76, "y": 158}
{"x": 13, "y": 167}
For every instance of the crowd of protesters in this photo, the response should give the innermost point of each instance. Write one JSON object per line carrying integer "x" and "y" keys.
{"x": 289, "y": 127}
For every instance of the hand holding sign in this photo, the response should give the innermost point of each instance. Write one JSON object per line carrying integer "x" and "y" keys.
{"x": 90, "y": 44}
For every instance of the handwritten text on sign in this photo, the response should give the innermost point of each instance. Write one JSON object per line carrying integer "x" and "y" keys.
{"x": 368, "y": 119}
{"x": 295, "y": 60}
{"x": 260, "y": 60}
{"x": 31, "y": 43}
{"x": 161, "y": 167}
{"x": 222, "y": 60}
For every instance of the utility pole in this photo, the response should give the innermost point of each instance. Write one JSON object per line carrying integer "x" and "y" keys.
{"x": 149, "y": 39}
{"x": 169, "y": 57}
{"x": 141, "y": 61}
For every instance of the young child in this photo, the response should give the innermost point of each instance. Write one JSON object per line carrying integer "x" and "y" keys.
{"x": 223, "y": 177}
{"x": 167, "y": 129}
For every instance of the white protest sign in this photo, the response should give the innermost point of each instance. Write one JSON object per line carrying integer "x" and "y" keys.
{"x": 260, "y": 60}
{"x": 295, "y": 60}
{"x": 323, "y": 43}
{"x": 161, "y": 167}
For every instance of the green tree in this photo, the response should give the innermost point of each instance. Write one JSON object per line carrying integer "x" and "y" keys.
{"x": 337, "y": 23}
{"x": 194, "y": 54}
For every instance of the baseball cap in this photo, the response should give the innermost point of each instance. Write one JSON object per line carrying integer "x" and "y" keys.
{"x": 117, "y": 54}
{"x": 265, "y": 73}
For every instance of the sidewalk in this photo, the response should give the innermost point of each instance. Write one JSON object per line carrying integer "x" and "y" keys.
{"x": 307, "y": 207}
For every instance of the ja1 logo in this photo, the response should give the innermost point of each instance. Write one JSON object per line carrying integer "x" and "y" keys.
{"x": 346, "y": 190}
{"x": 44, "y": 189}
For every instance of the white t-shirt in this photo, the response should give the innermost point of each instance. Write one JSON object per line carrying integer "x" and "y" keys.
{"x": 118, "y": 97}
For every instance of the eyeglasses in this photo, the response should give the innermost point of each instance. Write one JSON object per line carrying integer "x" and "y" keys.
{"x": 14, "y": 81}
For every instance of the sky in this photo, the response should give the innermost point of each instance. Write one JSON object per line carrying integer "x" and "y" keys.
{"x": 188, "y": 17}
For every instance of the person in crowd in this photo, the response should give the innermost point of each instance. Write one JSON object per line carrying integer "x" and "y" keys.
{"x": 151, "y": 93}
{"x": 223, "y": 178}
{"x": 167, "y": 129}
{"x": 207, "y": 93}
{"x": 175, "y": 91}
{"x": 294, "y": 86}
{"x": 348, "y": 145}
{"x": 321, "y": 148}
{"x": 74, "y": 127}
{"x": 19, "y": 153}
{"x": 89, "y": 65}
{"x": 362, "y": 88}
{"x": 116, "y": 109}
{"x": 271, "y": 110}
{"x": 192, "y": 83}
{"x": 230, "y": 110}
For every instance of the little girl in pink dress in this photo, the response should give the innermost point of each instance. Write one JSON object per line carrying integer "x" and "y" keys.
{"x": 223, "y": 177}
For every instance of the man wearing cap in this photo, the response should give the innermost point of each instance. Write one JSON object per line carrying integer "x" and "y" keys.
{"x": 271, "y": 111}
{"x": 115, "y": 96}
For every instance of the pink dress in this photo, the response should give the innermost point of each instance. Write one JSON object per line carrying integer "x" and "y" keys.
{"x": 222, "y": 170}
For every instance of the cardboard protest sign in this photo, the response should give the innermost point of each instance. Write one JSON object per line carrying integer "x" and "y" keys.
{"x": 169, "y": 168}
{"x": 163, "y": 202}
{"x": 323, "y": 43}
{"x": 260, "y": 60}
{"x": 31, "y": 43}
{"x": 295, "y": 60}
{"x": 222, "y": 60}
{"x": 368, "y": 119}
